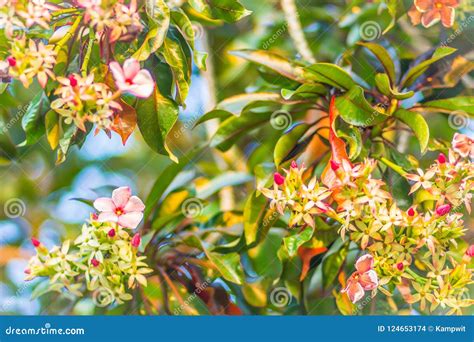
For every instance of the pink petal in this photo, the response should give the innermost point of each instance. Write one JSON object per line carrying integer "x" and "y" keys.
{"x": 447, "y": 16}
{"x": 143, "y": 84}
{"x": 117, "y": 72}
{"x": 355, "y": 291}
{"x": 430, "y": 18}
{"x": 130, "y": 220}
{"x": 121, "y": 195}
{"x": 423, "y": 5}
{"x": 368, "y": 280}
{"x": 131, "y": 67}
{"x": 364, "y": 263}
{"x": 104, "y": 204}
{"x": 107, "y": 217}
{"x": 134, "y": 204}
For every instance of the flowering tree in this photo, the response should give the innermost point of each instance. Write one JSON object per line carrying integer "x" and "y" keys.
{"x": 322, "y": 184}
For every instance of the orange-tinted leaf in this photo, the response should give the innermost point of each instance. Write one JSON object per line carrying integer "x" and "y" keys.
{"x": 338, "y": 146}
{"x": 306, "y": 254}
{"x": 233, "y": 310}
{"x": 125, "y": 122}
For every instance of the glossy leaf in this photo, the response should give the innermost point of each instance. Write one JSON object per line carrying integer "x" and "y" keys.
{"x": 417, "y": 124}
{"x": 385, "y": 59}
{"x": 331, "y": 74}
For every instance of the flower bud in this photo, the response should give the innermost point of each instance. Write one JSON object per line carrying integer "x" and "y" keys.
{"x": 400, "y": 266}
{"x": 95, "y": 216}
{"x": 27, "y": 271}
{"x": 35, "y": 242}
{"x": 95, "y": 262}
{"x": 443, "y": 209}
{"x": 411, "y": 212}
{"x": 470, "y": 251}
{"x": 334, "y": 165}
{"x": 11, "y": 61}
{"x": 72, "y": 81}
{"x": 111, "y": 233}
{"x": 59, "y": 34}
{"x": 279, "y": 179}
{"x": 294, "y": 165}
{"x": 136, "y": 240}
{"x": 441, "y": 158}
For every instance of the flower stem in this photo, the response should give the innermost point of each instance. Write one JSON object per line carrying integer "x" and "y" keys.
{"x": 394, "y": 167}
{"x": 69, "y": 34}
{"x": 87, "y": 57}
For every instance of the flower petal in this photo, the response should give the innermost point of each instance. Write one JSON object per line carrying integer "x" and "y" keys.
{"x": 364, "y": 263}
{"x": 117, "y": 72}
{"x": 415, "y": 15}
{"x": 430, "y": 18}
{"x": 423, "y": 5}
{"x": 355, "y": 291}
{"x": 369, "y": 280}
{"x": 121, "y": 195}
{"x": 104, "y": 204}
{"x": 130, "y": 220}
{"x": 143, "y": 84}
{"x": 107, "y": 217}
{"x": 134, "y": 204}
{"x": 131, "y": 67}
{"x": 447, "y": 16}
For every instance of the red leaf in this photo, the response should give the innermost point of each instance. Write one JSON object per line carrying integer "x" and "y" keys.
{"x": 125, "y": 122}
{"x": 306, "y": 254}
{"x": 338, "y": 146}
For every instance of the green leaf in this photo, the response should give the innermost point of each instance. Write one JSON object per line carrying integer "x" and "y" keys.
{"x": 242, "y": 102}
{"x": 258, "y": 219}
{"x": 213, "y": 114}
{"x": 228, "y": 10}
{"x": 333, "y": 261}
{"x": 305, "y": 91}
{"x": 166, "y": 177}
{"x": 353, "y": 137}
{"x": 33, "y": 120}
{"x": 418, "y": 70}
{"x": 159, "y": 15}
{"x": 235, "y": 127}
{"x": 383, "y": 85}
{"x": 156, "y": 116}
{"x": 417, "y": 124}
{"x": 297, "y": 239}
{"x": 461, "y": 103}
{"x": 52, "y": 125}
{"x": 263, "y": 257}
{"x": 173, "y": 53}
{"x": 356, "y": 110}
{"x": 384, "y": 57}
{"x": 275, "y": 62}
{"x": 288, "y": 142}
{"x": 331, "y": 74}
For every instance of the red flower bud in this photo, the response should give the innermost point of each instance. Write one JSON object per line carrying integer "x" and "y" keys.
{"x": 111, "y": 233}
{"x": 294, "y": 165}
{"x": 95, "y": 262}
{"x": 443, "y": 209}
{"x": 136, "y": 240}
{"x": 334, "y": 165}
{"x": 279, "y": 179}
{"x": 411, "y": 212}
{"x": 35, "y": 242}
{"x": 441, "y": 158}
{"x": 95, "y": 216}
{"x": 400, "y": 266}
{"x": 27, "y": 271}
{"x": 72, "y": 81}
{"x": 11, "y": 61}
{"x": 470, "y": 251}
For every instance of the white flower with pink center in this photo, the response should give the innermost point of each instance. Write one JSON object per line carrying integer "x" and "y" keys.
{"x": 363, "y": 279}
{"x": 131, "y": 79}
{"x": 123, "y": 208}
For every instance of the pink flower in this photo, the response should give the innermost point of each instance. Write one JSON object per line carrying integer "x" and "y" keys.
{"x": 364, "y": 279}
{"x": 123, "y": 208}
{"x": 429, "y": 12}
{"x": 463, "y": 145}
{"x": 131, "y": 79}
